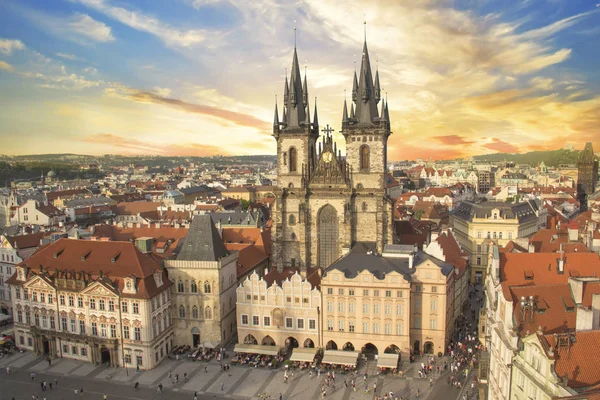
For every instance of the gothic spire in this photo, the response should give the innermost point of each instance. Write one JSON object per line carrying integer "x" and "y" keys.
{"x": 316, "y": 118}
{"x": 352, "y": 115}
{"x": 382, "y": 118}
{"x": 366, "y": 104}
{"x": 305, "y": 90}
{"x": 345, "y": 112}
{"x": 387, "y": 112}
{"x": 295, "y": 112}
{"x": 307, "y": 121}
{"x": 276, "y": 119}
{"x": 587, "y": 154}
{"x": 286, "y": 90}
{"x": 355, "y": 88}
{"x": 377, "y": 87}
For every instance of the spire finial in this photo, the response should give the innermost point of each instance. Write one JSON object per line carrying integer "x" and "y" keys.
{"x": 365, "y": 27}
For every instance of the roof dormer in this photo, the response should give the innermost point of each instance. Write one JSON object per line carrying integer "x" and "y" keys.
{"x": 129, "y": 286}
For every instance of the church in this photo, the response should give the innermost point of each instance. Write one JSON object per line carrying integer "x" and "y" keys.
{"x": 327, "y": 202}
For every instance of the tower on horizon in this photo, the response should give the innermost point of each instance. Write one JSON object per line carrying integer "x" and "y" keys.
{"x": 587, "y": 174}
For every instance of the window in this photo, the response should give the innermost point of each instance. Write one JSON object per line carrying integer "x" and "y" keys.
{"x": 433, "y": 323}
{"x": 128, "y": 358}
{"x": 478, "y": 260}
{"x": 300, "y": 323}
{"x": 181, "y": 312}
{"x": 65, "y": 349}
{"x": 19, "y": 315}
{"x": 113, "y": 331}
{"x": 136, "y": 308}
{"x": 351, "y": 308}
{"x": 137, "y": 332}
{"x": 388, "y": 293}
{"x": 124, "y": 306}
{"x": 434, "y": 289}
{"x": 208, "y": 313}
{"x": 521, "y": 381}
{"x": 364, "y": 157}
{"x": 73, "y": 326}
{"x": 341, "y": 325}
{"x": 194, "y": 287}
{"x": 433, "y": 305}
{"x": 387, "y": 329}
{"x": 417, "y": 322}
{"x": 289, "y": 322}
{"x": 92, "y": 304}
{"x": 418, "y": 288}
{"x": 293, "y": 159}
{"x": 83, "y": 352}
{"x": 266, "y": 321}
{"x": 341, "y": 291}
{"x": 312, "y": 324}
{"x": 81, "y": 327}
{"x": 17, "y": 293}
{"x": 42, "y": 295}
{"x": 329, "y": 290}
{"x": 365, "y": 327}
{"x": 26, "y": 295}
{"x": 255, "y": 320}
{"x": 375, "y": 308}
{"x": 80, "y": 302}
{"x": 340, "y": 307}
{"x": 62, "y": 299}
{"x": 101, "y": 305}
{"x": 329, "y": 324}
{"x": 22, "y": 340}
{"x": 94, "y": 329}
{"x": 417, "y": 304}
{"x": 375, "y": 293}
{"x": 207, "y": 287}
{"x": 388, "y": 309}
{"x": 365, "y": 292}
{"x": 44, "y": 322}
{"x": 63, "y": 323}
{"x": 365, "y": 308}
{"x": 330, "y": 306}
{"x": 494, "y": 235}
{"x": 72, "y": 301}
{"x": 103, "y": 330}
{"x": 479, "y": 234}
{"x": 139, "y": 359}
{"x": 399, "y": 294}
{"x": 195, "y": 312}
{"x": 180, "y": 287}
{"x": 111, "y": 305}
{"x": 376, "y": 327}
{"x": 532, "y": 392}
{"x": 126, "y": 332}
{"x": 350, "y": 292}
{"x": 535, "y": 362}
{"x": 499, "y": 235}
{"x": 510, "y": 235}
{"x": 292, "y": 219}
{"x": 52, "y": 322}
{"x": 399, "y": 329}
{"x": 489, "y": 235}
{"x": 36, "y": 319}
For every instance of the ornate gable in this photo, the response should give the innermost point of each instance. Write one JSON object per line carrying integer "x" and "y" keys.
{"x": 38, "y": 282}
{"x": 99, "y": 289}
{"x": 331, "y": 169}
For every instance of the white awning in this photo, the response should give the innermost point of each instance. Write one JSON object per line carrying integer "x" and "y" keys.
{"x": 340, "y": 357}
{"x": 256, "y": 349}
{"x": 209, "y": 345}
{"x": 387, "y": 361}
{"x": 305, "y": 354}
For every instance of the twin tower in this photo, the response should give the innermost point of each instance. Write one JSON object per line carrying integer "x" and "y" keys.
{"x": 326, "y": 203}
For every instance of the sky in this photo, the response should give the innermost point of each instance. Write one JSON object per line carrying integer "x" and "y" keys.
{"x": 201, "y": 77}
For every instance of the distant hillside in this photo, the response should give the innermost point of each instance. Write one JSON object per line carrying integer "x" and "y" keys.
{"x": 551, "y": 158}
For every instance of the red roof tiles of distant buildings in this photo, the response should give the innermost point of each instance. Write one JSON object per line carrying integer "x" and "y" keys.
{"x": 25, "y": 241}
{"x": 553, "y": 240}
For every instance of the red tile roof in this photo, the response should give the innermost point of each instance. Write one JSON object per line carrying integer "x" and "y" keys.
{"x": 551, "y": 313}
{"x": 161, "y": 236}
{"x": 25, "y": 241}
{"x": 577, "y": 359}
{"x": 49, "y": 210}
{"x": 454, "y": 255}
{"x": 139, "y": 207}
{"x": 550, "y": 241}
{"x": 96, "y": 258}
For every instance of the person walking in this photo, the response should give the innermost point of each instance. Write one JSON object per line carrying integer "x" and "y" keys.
{"x": 105, "y": 397}
{"x": 205, "y": 369}
{"x": 160, "y": 387}
{"x": 33, "y": 376}
{"x": 81, "y": 390}
{"x": 76, "y": 392}
{"x": 222, "y": 386}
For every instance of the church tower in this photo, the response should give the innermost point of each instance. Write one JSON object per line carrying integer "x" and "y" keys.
{"x": 366, "y": 130}
{"x": 587, "y": 174}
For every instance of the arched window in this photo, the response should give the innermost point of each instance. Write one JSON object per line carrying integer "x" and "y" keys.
{"x": 364, "y": 157}
{"x": 194, "y": 287}
{"x": 195, "y": 312}
{"x": 206, "y": 287}
{"x": 364, "y": 206}
{"x": 292, "y": 219}
{"x": 293, "y": 159}
{"x": 180, "y": 287}
{"x": 181, "y": 312}
{"x": 208, "y": 313}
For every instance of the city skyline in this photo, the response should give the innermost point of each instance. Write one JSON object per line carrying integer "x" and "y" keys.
{"x": 200, "y": 77}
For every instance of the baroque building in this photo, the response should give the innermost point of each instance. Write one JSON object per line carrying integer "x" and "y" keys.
{"x": 323, "y": 197}
{"x": 93, "y": 301}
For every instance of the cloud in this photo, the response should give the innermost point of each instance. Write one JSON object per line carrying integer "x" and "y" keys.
{"x": 146, "y": 23}
{"x": 85, "y": 25}
{"x": 7, "y": 46}
{"x": 501, "y": 146}
{"x": 65, "y": 81}
{"x": 453, "y": 140}
{"x": 136, "y": 146}
{"x": 71, "y": 57}
{"x": 162, "y": 92}
{"x": 154, "y": 98}
{"x": 6, "y": 66}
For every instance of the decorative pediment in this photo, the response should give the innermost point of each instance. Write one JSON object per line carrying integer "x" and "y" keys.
{"x": 93, "y": 318}
{"x": 103, "y": 319}
{"x": 37, "y": 282}
{"x": 81, "y": 316}
{"x": 125, "y": 322}
{"x": 99, "y": 289}
{"x": 330, "y": 169}
{"x": 137, "y": 323}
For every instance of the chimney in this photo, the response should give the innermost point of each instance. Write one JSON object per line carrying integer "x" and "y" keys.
{"x": 531, "y": 248}
{"x": 561, "y": 265}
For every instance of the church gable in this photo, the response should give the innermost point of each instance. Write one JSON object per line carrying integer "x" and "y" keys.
{"x": 331, "y": 169}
